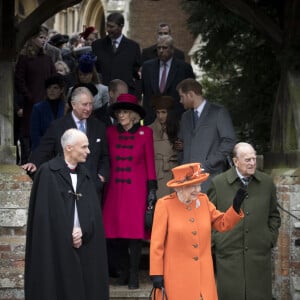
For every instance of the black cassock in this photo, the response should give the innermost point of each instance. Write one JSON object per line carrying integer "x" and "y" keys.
{"x": 54, "y": 269}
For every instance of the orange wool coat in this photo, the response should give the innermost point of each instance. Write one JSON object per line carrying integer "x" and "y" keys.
{"x": 180, "y": 247}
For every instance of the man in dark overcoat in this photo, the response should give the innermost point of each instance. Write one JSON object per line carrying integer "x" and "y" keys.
{"x": 65, "y": 248}
{"x": 81, "y": 115}
{"x": 161, "y": 75}
{"x": 243, "y": 255}
{"x": 118, "y": 56}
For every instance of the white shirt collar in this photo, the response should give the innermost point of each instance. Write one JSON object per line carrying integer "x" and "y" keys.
{"x": 118, "y": 40}
{"x": 77, "y": 120}
{"x": 200, "y": 108}
{"x": 167, "y": 63}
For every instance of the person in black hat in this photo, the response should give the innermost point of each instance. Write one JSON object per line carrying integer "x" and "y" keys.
{"x": 52, "y": 108}
{"x": 132, "y": 184}
{"x": 58, "y": 40}
{"x": 80, "y": 117}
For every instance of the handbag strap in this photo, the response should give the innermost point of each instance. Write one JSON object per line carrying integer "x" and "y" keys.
{"x": 163, "y": 292}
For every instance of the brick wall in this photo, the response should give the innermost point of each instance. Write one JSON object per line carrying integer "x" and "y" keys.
{"x": 145, "y": 15}
{"x": 15, "y": 188}
{"x": 287, "y": 255}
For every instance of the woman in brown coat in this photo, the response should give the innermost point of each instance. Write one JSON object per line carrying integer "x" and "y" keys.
{"x": 180, "y": 248}
{"x": 165, "y": 133}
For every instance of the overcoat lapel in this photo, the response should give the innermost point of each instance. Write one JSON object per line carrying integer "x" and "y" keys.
{"x": 155, "y": 78}
{"x": 172, "y": 73}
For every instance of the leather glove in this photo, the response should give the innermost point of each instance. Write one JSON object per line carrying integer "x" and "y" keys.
{"x": 151, "y": 199}
{"x": 157, "y": 281}
{"x": 239, "y": 197}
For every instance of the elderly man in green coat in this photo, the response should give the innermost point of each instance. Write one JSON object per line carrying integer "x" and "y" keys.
{"x": 243, "y": 255}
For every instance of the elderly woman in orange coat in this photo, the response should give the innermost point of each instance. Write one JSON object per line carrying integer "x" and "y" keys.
{"x": 180, "y": 248}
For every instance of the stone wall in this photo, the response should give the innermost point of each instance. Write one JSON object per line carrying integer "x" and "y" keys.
{"x": 15, "y": 188}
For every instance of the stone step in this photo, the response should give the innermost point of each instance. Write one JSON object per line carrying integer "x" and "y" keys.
{"x": 123, "y": 293}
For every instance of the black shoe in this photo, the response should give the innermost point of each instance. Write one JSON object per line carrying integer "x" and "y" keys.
{"x": 133, "y": 283}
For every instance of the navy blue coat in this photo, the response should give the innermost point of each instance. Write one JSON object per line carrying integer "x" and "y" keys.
{"x": 41, "y": 117}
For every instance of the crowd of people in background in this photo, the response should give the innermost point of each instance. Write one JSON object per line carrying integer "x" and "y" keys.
{"x": 136, "y": 115}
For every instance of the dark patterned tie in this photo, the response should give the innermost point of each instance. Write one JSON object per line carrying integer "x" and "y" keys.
{"x": 163, "y": 80}
{"x": 246, "y": 180}
{"x": 114, "y": 46}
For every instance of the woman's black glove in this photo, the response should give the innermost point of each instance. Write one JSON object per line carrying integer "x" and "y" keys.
{"x": 151, "y": 199}
{"x": 158, "y": 281}
{"x": 239, "y": 197}
{"x": 152, "y": 187}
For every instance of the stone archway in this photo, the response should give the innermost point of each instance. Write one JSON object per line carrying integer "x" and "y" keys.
{"x": 92, "y": 13}
{"x": 80, "y": 16}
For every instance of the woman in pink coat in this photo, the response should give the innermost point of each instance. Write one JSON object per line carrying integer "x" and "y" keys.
{"x": 132, "y": 183}
{"x": 180, "y": 248}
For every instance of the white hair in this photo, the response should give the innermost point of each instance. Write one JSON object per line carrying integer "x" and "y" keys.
{"x": 241, "y": 147}
{"x": 70, "y": 137}
{"x": 75, "y": 97}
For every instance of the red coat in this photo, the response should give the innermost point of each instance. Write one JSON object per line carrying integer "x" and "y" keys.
{"x": 180, "y": 247}
{"x": 132, "y": 165}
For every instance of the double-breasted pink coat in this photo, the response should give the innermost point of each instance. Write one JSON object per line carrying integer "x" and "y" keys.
{"x": 180, "y": 246}
{"x": 132, "y": 165}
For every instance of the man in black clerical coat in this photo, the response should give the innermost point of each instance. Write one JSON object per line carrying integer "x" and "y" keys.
{"x": 65, "y": 255}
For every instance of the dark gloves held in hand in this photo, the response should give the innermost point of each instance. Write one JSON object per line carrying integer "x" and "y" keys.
{"x": 158, "y": 281}
{"x": 151, "y": 199}
{"x": 239, "y": 197}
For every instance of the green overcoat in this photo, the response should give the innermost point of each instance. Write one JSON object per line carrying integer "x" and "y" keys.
{"x": 243, "y": 255}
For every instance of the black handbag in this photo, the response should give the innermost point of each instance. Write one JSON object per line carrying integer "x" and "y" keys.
{"x": 149, "y": 217}
{"x": 153, "y": 294}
